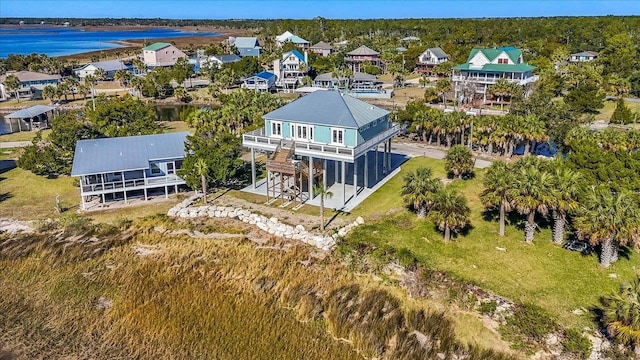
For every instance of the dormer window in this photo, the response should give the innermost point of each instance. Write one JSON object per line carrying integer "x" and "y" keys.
{"x": 503, "y": 61}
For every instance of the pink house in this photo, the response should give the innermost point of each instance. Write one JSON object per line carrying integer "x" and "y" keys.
{"x": 161, "y": 54}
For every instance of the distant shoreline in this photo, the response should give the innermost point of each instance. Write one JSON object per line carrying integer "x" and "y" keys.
{"x": 129, "y": 45}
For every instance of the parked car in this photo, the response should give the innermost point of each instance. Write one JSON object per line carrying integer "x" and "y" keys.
{"x": 580, "y": 246}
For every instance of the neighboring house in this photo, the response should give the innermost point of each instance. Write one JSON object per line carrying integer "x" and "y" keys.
{"x": 583, "y": 56}
{"x": 161, "y": 54}
{"x": 409, "y": 39}
{"x": 322, "y": 48}
{"x": 263, "y": 81}
{"x": 295, "y": 39}
{"x": 219, "y": 60}
{"x": 485, "y": 67}
{"x": 290, "y": 69}
{"x": 128, "y": 167}
{"x": 357, "y": 58}
{"x": 317, "y": 132}
{"x": 110, "y": 67}
{"x": 31, "y": 84}
{"x": 430, "y": 58}
{"x": 247, "y": 46}
{"x": 359, "y": 82}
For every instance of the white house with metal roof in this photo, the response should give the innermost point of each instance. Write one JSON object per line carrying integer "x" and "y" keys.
{"x": 263, "y": 81}
{"x": 287, "y": 36}
{"x": 485, "y": 67}
{"x": 322, "y": 137}
{"x": 109, "y": 66}
{"x": 430, "y": 58}
{"x": 583, "y": 56}
{"x": 246, "y": 46}
{"x": 122, "y": 168}
{"x": 290, "y": 69}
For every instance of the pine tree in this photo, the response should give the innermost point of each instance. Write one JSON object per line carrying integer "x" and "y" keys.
{"x": 622, "y": 113}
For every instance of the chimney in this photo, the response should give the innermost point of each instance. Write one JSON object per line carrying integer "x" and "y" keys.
{"x": 276, "y": 69}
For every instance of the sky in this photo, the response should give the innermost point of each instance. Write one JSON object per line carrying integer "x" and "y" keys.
{"x": 303, "y": 9}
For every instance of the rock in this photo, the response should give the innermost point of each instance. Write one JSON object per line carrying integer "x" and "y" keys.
{"x": 552, "y": 339}
{"x": 300, "y": 229}
{"x": 274, "y": 219}
{"x": 359, "y": 220}
{"x": 577, "y": 312}
{"x": 614, "y": 276}
{"x": 159, "y": 229}
{"x": 216, "y": 213}
{"x": 103, "y": 303}
{"x": 172, "y": 212}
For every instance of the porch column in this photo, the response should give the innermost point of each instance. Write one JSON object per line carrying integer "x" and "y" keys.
{"x": 268, "y": 185}
{"x": 103, "y": 198}
{"x": 384, "y": 159}
{"x": 82, "y": 182}
{"x": 344, "y": 181}
{"x": 124, "y": 188}
{"x": 376, "y": 162}
{"x": 324, "y": 174}
{"x": 253, "y": 168}
{"x": 310, "y": 177}
{"x": 335, "y": 169}
{"x": 355, "y": 178}
{"x": 144, "y": 176}
{"x": 166, "y": 192}
{"x": 389, "y": 157}
{"x": 365, "y": 183}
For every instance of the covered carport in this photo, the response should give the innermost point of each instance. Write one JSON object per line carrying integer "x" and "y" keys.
{"x": 34, "y": 116}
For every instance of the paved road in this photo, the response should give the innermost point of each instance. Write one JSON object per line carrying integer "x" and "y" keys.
{"x": 413, "y": 149}
{"x": 14, "y": 144}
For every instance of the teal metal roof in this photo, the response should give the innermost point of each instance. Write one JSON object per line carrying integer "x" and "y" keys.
{"x": 156, "y": 46}
{"x": 491, "y": 54}
{"x": 498, "y": 68}
{"x": 330, "y": 108}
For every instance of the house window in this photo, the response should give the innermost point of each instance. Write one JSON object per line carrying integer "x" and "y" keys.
{"x": 155, "y": 169}
{"x": 178, "y": 165}
{"x": 171, "y": 168}
{"x": 302, "y": 132}
{"x": 337, "y": 136}
{"x": 276, "y": 128}
{"x": 503, "y": 61}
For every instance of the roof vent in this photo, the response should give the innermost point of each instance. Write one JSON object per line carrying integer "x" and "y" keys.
{"x": 372, "y": 108}
{"x": 120, "y": 153}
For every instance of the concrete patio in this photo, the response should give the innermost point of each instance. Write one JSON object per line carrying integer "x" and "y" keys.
{"x": 343, "y": 195}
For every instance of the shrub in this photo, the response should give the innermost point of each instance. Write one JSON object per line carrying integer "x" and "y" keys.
{"x": 529, "y": 324}
{"x": 488, "y": 307}
{"x": 576, "y": 344}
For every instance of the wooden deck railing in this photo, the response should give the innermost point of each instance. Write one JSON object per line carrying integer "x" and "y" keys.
{"x": 133, "y": 183}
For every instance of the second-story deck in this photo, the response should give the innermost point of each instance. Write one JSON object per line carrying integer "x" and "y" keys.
{"x": 258, "y": 139}
{"x": 131, "y": 184}
{"x": 485, "y": 78}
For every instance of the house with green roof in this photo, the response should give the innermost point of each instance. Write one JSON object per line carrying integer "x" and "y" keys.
{"x": 161, "y": 54}
{"x": 485, "y": 67}
{"x": 325, "y": 137}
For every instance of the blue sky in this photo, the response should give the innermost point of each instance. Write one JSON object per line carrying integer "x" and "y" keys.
{"x": 301, "y": 9}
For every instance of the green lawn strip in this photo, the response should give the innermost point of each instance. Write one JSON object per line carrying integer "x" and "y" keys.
{"x": 29, "y": 196}
{"x": 23, "y": 135}
{"x": 556, "y": 279}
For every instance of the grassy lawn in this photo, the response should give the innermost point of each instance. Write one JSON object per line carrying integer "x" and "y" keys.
{"x": 176, "y": 126}
{"x": 26, "y": 196}
{"x": 610, "y": 106}
{"x": 23, "y": 135}
{"x": 558, "y": 280}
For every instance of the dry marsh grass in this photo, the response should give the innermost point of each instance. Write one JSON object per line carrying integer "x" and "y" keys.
{"x": 82, "y": 290}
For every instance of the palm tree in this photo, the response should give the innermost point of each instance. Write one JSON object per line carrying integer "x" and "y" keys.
{"x": 459, "y": 161}
{"x": 123, "y": 77}
{"x": 498, "y": 183}
{"x": 202, "y": 170}
{"x": 64, "y": 89}
{"x": 609, "y": 220}
{"x": 13, "y": 84}
{"x": 100, "y": 74}
{"x": 444, "y": 86}
{"x": 565, "y": 186}
{"x": 49, "y": 92}
{"x": 502, "y": 88}
{"x": 450, "y": 211}
{"x": 181, "y": 94}
{"x": 530, "y": 194}
{"x": 72, "y": 84}
{"x": 91, "y": 81}
{"x": 621, "y": 314}
{"x": 139, "y": 65}
{"x": 323, "y": 192}
{"x": 419, "y": 190}
{"x": 136, "y": 83}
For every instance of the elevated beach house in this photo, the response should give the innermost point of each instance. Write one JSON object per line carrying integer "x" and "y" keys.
{"x": 324, "y": 137}
{"x": 109, "y": 67}
{"x": 122, "y": 168}
{"x": 430, "y": 58}
{"x": 31, "y": 84}
{"x": 287, "y": 36}
{"x": 322, "y": 48}
{"x": 246, "y": 46}
{"x": 263, "y": 81}
{"x": 485, "y": 67}
{"x": 161, "y": 54}
{"x": 583, "y": 56}
{"x": 290, "y": 69}
{"x": 357, "y": 58}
